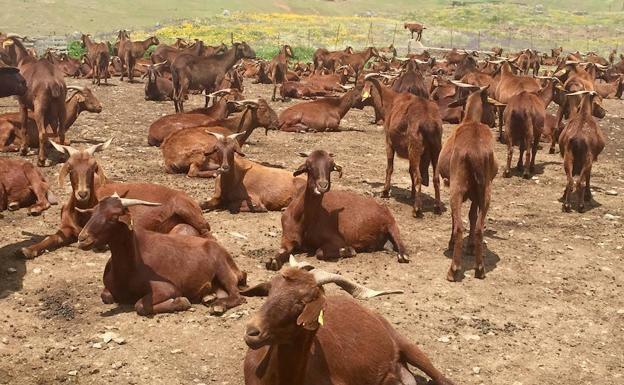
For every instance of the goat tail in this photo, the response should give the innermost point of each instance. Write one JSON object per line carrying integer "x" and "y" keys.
{"x": 579, "y": 151}
{"x": 175, "y": 82}
{"x": 395, "y": 239}
{"x": 411, "y": 354}
{"x": 476, "y": 168}
{"x": 620, "y": 89}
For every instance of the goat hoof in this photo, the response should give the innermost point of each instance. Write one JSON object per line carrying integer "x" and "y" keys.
{"x": 347, "y": 252}
{"x": 385, "y": 194}
{"x": 417, "y": 213}
{"x": 566, "y": 208}
{"x": 437, "y": 210}
{"x": 452, "y": 275}
{"x": 27, "y": 253}
{"x": 551, "y": 150}
{"x": 588, "y": 195}
{"x": 507, "y": 173}
{"x": 181, "y": 303}
{"x": 216, "y": 310}
{"x": 526, "y": 175}
{"x": 403, "y": 258}
{"x": 34, "y": 212}
{"x": 107, "y": 297}
{"x": 480, "y": 272}
{"x": 581, "y": 208}
{"x": 273, "y": 264}
{"x": 13, "y": 206}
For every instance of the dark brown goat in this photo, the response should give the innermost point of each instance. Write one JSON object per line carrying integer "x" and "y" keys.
{"x": 324, "y": 59}
{"x": 159, "y": 273}
{"x": 318, "y": 115}
{"x": 243, "y": 185}
{"x": 298, "y": 321}
{"x": 413, "y": 131}
{"x": 83, "y": 99}
{"x": 415, "y": 27}
{"x": 23, "y": 185}
{"x": 45, "y": 96}
{"x": 165, "y": 125}
{"x": 167, "y": 53}
{"x": 190, "y": 72}
{"x": 183, "y": 150}
{"x": 89, "y": 183}
{"x": 412, "y": 80}
{"x": 467, "y": 163}
{"x": 333, "y": 224}
{"x": 12, "y": 83}
{"x": 158, "y": 87}
{"x": 99, "y": 57}
{"x": 358, "y": 60}
{"x": 580, "y": 142}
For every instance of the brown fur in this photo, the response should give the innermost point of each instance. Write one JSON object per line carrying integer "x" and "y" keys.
{"x": 99, "y": 57}
{"x": 23, "y": 185}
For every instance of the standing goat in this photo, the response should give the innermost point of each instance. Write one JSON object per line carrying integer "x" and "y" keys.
{"x": 467, "y": 163}
{"x": 99, "y": 57}
{"x": 279, "y": 68}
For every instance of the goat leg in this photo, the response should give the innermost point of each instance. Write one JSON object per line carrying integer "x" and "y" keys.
{"x": 458, "y": 233}
{"x": 162, "y": 297}
{"x": 63, "y": 237}
{"x": 229, "y": 281}
{"x": 389, "y": 168}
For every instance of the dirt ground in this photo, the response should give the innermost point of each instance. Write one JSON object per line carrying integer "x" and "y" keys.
{"x": 550, "y": 310}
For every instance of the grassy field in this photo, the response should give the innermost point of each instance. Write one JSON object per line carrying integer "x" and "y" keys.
{"x": 480, "y": 24}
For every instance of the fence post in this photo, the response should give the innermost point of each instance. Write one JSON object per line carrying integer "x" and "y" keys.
{"x": 370, "y": 34}
{"x": 394, "y": 35}
{"x": 309, "y": 38}
{"x": 479, "y": 41}
{"x": 337, "y": 34}
{"x": 452, "y": 31}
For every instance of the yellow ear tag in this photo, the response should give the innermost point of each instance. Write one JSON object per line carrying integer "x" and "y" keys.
{"x": 320, "y": 318}
{"x": 365, "y": 95}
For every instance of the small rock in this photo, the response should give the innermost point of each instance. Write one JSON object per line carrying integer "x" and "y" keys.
{"x": 476, "y": 370}
{"x": 119, "y": 340}
{"x": 472, "y": 337}
{"x": 117, "y": 365}
{"x": 97, "y": 345}
{"x": 11, "y": 270}
{"x": 611, "y": 217}
{"x": 569, "y": 247}
{"x": 37, "y": 270}
{"x": 176, "y": 351}
{"x": 621, "y": 311}
{"x": 611, "y": 192}
{"x": 237, "y": 235}
{"x": 444, "y": 339}
{"x": 5, "y": 340}
{"x": 72, "y": 373}
{"x": 108, "y": 337}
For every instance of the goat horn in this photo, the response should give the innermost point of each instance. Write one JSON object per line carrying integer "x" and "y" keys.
{"x": 248, "y": 102}
{"x": 162, "y": 63}
{"x": 345, "y": 87}
{"x": 69, "y": 150}
{"x": 402, "y": 58}
{"x": 216, "y": 135}
{"x": 463, "y": 85}
{"x": 495, "y": 102}
{"x": 356, "y": 290}
{"x": 99, "y": 147}
{"x": 568, "y": 62}
{"x": 77, "y": 88}
{"x": 224, "y": 91}
{"x": 299, "y": 265}
{"x": 128, "y": 202}
{"x": 582, "y": 93}
{"x": 371, "y": 75}
{"x": 421, "y": 62}
{"x": 600, "y": 66}
{"x": 234, "y": 136}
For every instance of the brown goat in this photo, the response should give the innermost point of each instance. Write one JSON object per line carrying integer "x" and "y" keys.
{"x": 412, "y": 80}
{"x": 580, "y": 142}
{"x": 324, "y": 59}
{"x": 243, "y": 185}
{"x": 333, "y": 224}
{"x": 89, "y": 183}
{"x": 301, "y": 336}
{"x": 165, "y": 125}
{"x": 190, "y": 72}
{"x": 279, "y": 67}
{"x": 83, "y": 99}
{"x": 99, "y": 57}
{"x": 358, "y": 60}
{"x": 467, "y": 163}
{"x": 23, "y": 185}
{"x": 318, "y": 115}
{"x": 183, "y": 151}
{"x": 160, "y": 273}
{"x": 415, "y": 27}
{"x": 130, "y": 51}
{"x": 45, "y": 96}
{"x": 158, "y": 87}
{"x": 302, "y": 90}
{"x": 413, "y": 131}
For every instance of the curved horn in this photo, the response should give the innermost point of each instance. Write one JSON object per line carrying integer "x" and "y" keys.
{"x": 162, "y": 63}
{"x": 463, "y": 85}
{"x": 77, "y": 88}
{"x": 234, "y": 136}
{"x": 495, "y": 102}
{"x": 69, "y": 150}
{"x": 216, "y": 135}
{"x": 299, "y": 265}
{"x": 222, "y": 92}
{"x": 582, "y": 93}
{"x": 246, "y": 102}
{"x": 356, "y": 290}
{"x": 127, "y": 202}
{"x": 99, "y": 147}
{"x": 346, "y": 88}
{"x": 371, "y": 75}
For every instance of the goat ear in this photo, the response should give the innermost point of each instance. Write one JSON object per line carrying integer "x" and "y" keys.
{"x": 311, "y": 318}
{"x": 301, "y": 170}
{"x": 63, "y": 174}
{"x": 127, "y": 220}
{"x": 99, "y": 171}
{"x": 260, "y": 290}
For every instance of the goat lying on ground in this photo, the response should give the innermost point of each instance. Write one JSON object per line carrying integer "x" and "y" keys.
{"x": 89, "y": 183}
{"x": 243, "y": 185}
{"x": 467, "y": 163}
{"x": 160, "y": 273}
{"x": 580, "y": 142}
{"x": 301, "y": 336}
{"x": 23, "y": 185}
{"x": 318, "y": 115}
{"x": 333, "y": 224}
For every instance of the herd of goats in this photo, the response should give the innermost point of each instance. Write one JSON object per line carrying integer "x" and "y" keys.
{"x": 163, "y": 256}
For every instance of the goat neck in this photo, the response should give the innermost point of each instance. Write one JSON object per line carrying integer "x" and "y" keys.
{"x": 286, "y": 363}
